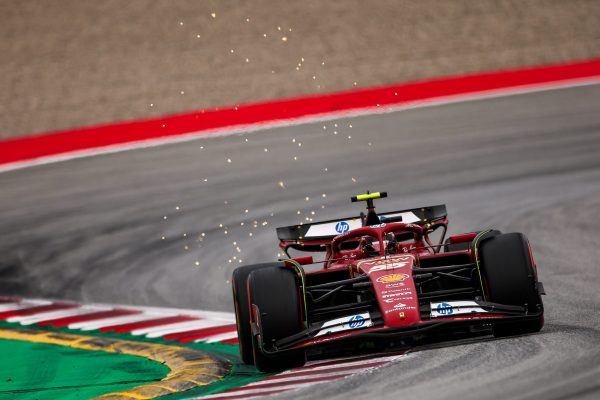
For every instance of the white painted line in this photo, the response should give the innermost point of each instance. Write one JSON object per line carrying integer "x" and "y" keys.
{"x": 167, "y": 312}
{"x": 287, "y": 382}
{"x": 165, "y": 327}
{"x": 100, "y": 323}
{"x": 48, "y": 316}
{"x": 177, "y": 327}
{"x": 301, "y": 377}
{"x": 350, "y": 365}
{"x": 227, "y": 131}
{"x": 220, "y": 337}
{"x": 23, "y": 304}
{"x": 260, "y": 391}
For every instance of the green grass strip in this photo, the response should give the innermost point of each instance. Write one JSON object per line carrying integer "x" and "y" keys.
{"x": 47, "y": 371}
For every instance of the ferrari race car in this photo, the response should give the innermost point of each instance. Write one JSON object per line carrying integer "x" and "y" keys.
{"x": 384, "y": 283}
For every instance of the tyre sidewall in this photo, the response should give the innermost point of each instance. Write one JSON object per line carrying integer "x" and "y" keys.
{"x": 276, "y": 293}
{"x": 242, "y": 308}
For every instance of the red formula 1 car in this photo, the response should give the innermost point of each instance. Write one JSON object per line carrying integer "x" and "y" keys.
{"x": 384, "y": 283}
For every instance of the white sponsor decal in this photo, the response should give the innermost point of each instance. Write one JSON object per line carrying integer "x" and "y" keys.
{"x": 450, "y": 308}
{"x": 409, "y": 248}
{"x": 386, "y": 263}
{"x": 394, "y": 285}
{"x": 337, "y": 227}
{"x": 390, "y": 265}
{"x": 346, "y": 323}
{"x": 333, "y": 228}
{"x": 400, "y": 293}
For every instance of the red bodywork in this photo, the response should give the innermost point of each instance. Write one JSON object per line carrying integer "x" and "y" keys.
{"x": 389, "y": 282}
{"x": 391, "y": 275}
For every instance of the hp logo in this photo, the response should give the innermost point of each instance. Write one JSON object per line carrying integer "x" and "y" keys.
{"x": 356, "y": 322}
{"x": 342, "y": 227}
{"x": 444, "y": 309}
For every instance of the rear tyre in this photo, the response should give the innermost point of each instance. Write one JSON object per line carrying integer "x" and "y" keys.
{"x": 510, "y": 278}
{"x": 239, "y": 285}
{"x": 276, "y": 293}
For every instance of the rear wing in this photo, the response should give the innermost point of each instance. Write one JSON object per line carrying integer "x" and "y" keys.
{"x": 329, "y": 229}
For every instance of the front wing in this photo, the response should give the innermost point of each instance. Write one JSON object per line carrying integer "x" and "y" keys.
{"x": 393, "y": 336}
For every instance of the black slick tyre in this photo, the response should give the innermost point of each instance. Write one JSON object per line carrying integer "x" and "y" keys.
{"x": 510, "y": 278}
{"x": 276, "y": 293}
{"x": 242, "y": 308}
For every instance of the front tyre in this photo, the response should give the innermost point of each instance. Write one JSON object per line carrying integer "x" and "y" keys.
{"x": 510, "y": 278}
{"x": 276, "y": 293}
{"x": 239, "y": 282}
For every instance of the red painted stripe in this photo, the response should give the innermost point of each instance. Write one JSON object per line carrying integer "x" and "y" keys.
{"x": 325, "y": 371}
{"x": 147, "y": 324}
{"x": 36, "y": 310}
{"x": 294, "y": 382}
{"x": 32, "y": 147}
{"x": 248, "y": 395}
{"x": 349, "y": 360}
{"x": 61, "y": 322}
{"x": 231, "y": 341}
{"x": 190, "y": 336}
{"x": 8, "y": 299}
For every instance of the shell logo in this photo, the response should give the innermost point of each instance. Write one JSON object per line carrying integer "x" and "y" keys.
{"x": 392, "y": 278}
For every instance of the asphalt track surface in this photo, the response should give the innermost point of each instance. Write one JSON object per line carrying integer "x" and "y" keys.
{"x": 114, "y": 228}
